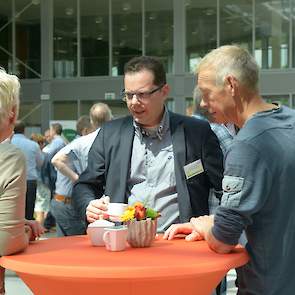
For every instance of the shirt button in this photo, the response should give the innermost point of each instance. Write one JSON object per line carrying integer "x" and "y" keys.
{"x": 227, "y": 188}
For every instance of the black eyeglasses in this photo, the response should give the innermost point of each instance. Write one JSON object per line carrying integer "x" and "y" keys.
{"x": 140, "y": 96}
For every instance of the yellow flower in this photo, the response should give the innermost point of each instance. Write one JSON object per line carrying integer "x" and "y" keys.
{"x": 128, "y": 214}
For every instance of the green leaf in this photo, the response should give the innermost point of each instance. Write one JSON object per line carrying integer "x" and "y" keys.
{"x": 151, "y": 213}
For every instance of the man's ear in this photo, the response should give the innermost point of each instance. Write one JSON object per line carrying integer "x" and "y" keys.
{"x": 231, "y": 84}
{"x": 166, "y": 90}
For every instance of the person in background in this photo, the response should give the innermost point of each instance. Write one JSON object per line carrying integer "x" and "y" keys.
{"x": 167, "y": 160}
{"x": 43, "y": 192}
{"x": 34, "y": 160}
{"x": 48, "y": 172}
{"x": 56, "y": 141}
{"x": 83, "y": 126}
{"x": 70, "y": 162}
{"x": 258, "y": 183}
{"x": 48, "y": 138}
{"x": 15, "y": 230}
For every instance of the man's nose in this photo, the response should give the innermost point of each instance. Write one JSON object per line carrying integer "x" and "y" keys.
{"x": 203, "y": 104}
{"x": 134, "y": 98}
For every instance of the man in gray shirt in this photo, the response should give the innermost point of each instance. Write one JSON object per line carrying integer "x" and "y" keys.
{"x": 259, "y": 183}
{"x": 166, "y": 160}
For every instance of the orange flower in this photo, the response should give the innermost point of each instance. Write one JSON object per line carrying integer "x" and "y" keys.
{"x": 138, "y": 212}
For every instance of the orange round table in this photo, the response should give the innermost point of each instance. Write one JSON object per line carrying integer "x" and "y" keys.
{"x": 70, "y": 265}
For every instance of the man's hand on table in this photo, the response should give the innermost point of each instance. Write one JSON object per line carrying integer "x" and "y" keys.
{"x": 33, "y": 229}
{"x": 182, "y": 228}
{"x": 96, "y": 208}
{"x": 202, "y": 224}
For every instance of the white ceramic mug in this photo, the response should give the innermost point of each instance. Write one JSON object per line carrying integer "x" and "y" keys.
{"x": 115, "y": 210}
{"x": 96, "y": 230}
{"x": 115, "y": 238}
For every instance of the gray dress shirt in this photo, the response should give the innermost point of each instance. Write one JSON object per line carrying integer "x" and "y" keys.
{"x": 152, "y": 176}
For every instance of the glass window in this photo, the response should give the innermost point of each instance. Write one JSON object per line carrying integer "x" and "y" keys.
{"x": 278, "y": 99}
{"x": 94, "y": 37}
{"x": 236, "y": 19}
{"x": 200, "y": 30}
{"x": 30, "y": 113}
{"x": 85, "y": 106}
{"x": 65, "y": 110}
{"x": 65, "y": 38}
{"x": 159, "y": 14}
{"x": 27, "y": 35}
{"x": 127, "y": 33}
{"x": 272, "y": 33}
{"x": 6, "y": 35}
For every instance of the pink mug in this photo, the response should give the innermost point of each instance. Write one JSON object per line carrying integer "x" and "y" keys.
{"x": 115, "y": 238}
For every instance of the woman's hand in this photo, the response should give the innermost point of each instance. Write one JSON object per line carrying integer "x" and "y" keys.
{"x": 33, "y": 229}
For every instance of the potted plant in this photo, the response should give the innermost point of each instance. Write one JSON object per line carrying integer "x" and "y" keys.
{"x": 142, "y": 224}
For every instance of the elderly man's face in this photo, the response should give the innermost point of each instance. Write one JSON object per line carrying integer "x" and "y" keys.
{"x": 146, "y": 105}
{"x": 217, "y": 100}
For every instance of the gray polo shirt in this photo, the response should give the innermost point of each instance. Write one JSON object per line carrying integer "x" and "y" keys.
{"x": 152, "y": 176}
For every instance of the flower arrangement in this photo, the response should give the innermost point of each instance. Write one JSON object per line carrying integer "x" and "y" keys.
{"x": 138, "y": 212}
{"x": 142, "y": 224}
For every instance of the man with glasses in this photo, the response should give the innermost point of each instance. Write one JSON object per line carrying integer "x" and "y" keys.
{"x": 163, "y": 159}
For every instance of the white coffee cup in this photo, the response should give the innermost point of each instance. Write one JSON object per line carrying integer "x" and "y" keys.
{"x": 115, "y": 210}
{"x": 115, "y": 238}
{"x": 96, "y": 230}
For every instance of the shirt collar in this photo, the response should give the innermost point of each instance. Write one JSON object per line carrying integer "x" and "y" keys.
{"x": 7, "y": 140}
{"x": 156, "y": 132}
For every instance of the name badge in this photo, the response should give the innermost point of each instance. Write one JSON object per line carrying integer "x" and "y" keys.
{"x": 193, "y": 169}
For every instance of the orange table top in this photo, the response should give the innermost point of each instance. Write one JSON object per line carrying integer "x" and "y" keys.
{"x": 76, "y": 257}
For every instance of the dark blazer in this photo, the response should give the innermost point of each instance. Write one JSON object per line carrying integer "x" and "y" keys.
{"x": 109, "y": 164}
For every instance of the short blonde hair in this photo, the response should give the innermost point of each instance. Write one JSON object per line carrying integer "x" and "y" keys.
{"x": 232, "y": 60}
{"x": 9, "y": 94}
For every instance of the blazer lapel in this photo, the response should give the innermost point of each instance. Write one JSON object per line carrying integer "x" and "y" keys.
{"x": 177, "y": 134}
{"x": 126, "y": 143}
{"x": 179, "y": 150}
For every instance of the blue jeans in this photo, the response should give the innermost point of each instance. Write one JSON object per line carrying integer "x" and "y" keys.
{"x": 68, "y": 223}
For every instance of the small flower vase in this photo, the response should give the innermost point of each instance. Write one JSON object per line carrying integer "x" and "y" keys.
{"x": 141, "y": 233}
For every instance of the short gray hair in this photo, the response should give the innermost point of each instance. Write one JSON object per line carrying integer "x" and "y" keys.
{"x": 100, "y": 113}
{"x": 9, "y": 94}
{"x": 232, "y": 60}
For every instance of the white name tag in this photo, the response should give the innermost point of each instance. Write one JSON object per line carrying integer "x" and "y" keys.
{"x": 193, "y": 169}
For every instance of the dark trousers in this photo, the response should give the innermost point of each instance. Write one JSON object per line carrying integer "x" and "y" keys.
{"x": 30, "y": 198}
{"x": 49, "y": 221}
{"x": 221, "y": 288}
